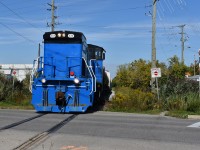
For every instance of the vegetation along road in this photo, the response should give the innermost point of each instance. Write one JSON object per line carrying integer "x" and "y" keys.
{"x": 97, "y": 131}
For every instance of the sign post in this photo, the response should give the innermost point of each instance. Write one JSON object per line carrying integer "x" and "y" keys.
{"x": 156, "y": 73}
{"x": 13, "y": 71}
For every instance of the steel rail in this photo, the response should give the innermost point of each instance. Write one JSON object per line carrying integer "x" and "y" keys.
{"x": 21, "y": 122}
{"x": 44, "y": 135}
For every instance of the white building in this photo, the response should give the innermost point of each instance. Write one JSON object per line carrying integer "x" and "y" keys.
{"x": 17, "y": 70}
{"x": 194, "y": 78}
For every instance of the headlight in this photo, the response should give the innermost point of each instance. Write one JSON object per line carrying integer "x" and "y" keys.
{"x": 63, "y": 35}
{"x": 43, "y": 80}
{"x": 76, "y": 81}
{"x": 59, "y": 34}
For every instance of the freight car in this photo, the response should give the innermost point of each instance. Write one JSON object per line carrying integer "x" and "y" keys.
{"x": 70, "y": 76}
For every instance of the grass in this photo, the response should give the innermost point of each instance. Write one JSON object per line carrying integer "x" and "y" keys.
{"x": 173, "y": 113}
{"x": 177, "y": 114}
{"x": 127, "y": 110}
{"x": 11, "y": 105}
{"x": 181, "y": 114}
{"x": 150, "y": 112}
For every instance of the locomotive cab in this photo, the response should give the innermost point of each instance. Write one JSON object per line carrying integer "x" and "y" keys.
{"x": 96, "y": 56}
{"x": 96, "y": 52}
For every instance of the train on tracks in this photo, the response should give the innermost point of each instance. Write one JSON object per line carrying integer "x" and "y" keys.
{"x": 70, "y": 76}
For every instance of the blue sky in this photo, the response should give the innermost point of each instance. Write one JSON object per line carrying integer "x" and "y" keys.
{"x": 122, "y": 27}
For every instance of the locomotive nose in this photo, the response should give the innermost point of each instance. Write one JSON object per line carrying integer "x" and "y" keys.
{"x": 69, "y": 74}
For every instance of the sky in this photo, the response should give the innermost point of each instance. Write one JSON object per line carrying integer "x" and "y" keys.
{"x": 122, "y": 27}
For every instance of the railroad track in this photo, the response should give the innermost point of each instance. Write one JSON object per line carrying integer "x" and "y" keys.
{"x": 21, "y": 122}
{"x": 37, "y": 139}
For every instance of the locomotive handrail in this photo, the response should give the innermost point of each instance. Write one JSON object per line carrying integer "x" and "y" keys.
{"x": 95, "y": 79}
{"x": 91, "y": 74}
{"x": 35, "y": 66}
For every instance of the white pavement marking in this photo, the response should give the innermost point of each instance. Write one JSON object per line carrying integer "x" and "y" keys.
{"x": 195, "y": 125}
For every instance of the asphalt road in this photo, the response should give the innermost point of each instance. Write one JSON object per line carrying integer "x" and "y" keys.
{"x": 101, "y": 131}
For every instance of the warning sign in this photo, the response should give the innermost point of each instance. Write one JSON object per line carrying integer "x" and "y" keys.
{"x": 155, "y": 72}
{"x": 14, "y": 72}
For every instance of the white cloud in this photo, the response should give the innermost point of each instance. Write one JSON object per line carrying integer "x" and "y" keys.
{"x": 116, "y": 35}
{"x": 129, "y": 26}
{"x": 74, "y": 20}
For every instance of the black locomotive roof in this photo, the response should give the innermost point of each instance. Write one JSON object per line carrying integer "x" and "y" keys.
{"x": 65, "y": 37}
{"x": 95, "y": 47}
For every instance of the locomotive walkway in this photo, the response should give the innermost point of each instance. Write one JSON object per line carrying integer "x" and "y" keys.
{"x": 97, "y": 131}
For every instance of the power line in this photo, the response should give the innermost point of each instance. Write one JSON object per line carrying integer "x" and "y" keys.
{"x": 17, "y": 33}
{"x": 16, "y": 14}
{"x": 114, "y": 10}
{"x": 111, "y": 27}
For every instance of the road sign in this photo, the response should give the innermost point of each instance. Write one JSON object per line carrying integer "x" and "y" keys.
{"x": 155, "y": 72}
{"x": 14, "y": 72}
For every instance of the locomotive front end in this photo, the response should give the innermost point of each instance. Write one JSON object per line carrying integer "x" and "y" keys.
{"x": 62, "y": 81}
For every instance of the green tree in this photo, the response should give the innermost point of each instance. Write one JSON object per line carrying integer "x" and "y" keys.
{"x": 135, "y": 75}
{"x": 140, "y": 74}
{"x": 122, "y": 80}
{"x": 176, "y": 69}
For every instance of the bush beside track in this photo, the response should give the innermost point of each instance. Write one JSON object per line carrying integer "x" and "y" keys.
{"x": 13, "y": 93}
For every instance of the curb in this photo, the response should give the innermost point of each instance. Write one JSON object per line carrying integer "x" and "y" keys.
{"x": 163, "y": 113}
{"x": 193, "y": 116}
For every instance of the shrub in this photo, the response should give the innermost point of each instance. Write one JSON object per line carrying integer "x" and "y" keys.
{"x": 194, "y": 106}
{"x": 175, "y": 102}
{"x": 14, "y": 92}
{"x": 193, "y": 102}
{"x": 127, "y": 99}
{"x": 184, "y": 102}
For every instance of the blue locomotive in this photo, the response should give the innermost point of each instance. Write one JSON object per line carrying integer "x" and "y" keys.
{"x": 70, "y": 76}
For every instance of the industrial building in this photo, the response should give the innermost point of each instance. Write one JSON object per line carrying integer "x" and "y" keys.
{"x": 18, "y": 70}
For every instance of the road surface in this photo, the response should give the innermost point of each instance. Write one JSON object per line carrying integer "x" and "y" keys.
{"x": 99, "y": 131}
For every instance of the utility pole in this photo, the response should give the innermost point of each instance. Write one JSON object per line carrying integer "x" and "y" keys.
{"x": 182, "y": 42}
{"x": 194, "y": 65}
{"x": 38, "y": 56}
{"x": 53, "y": 17}
{"x": 153, "y": 55}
